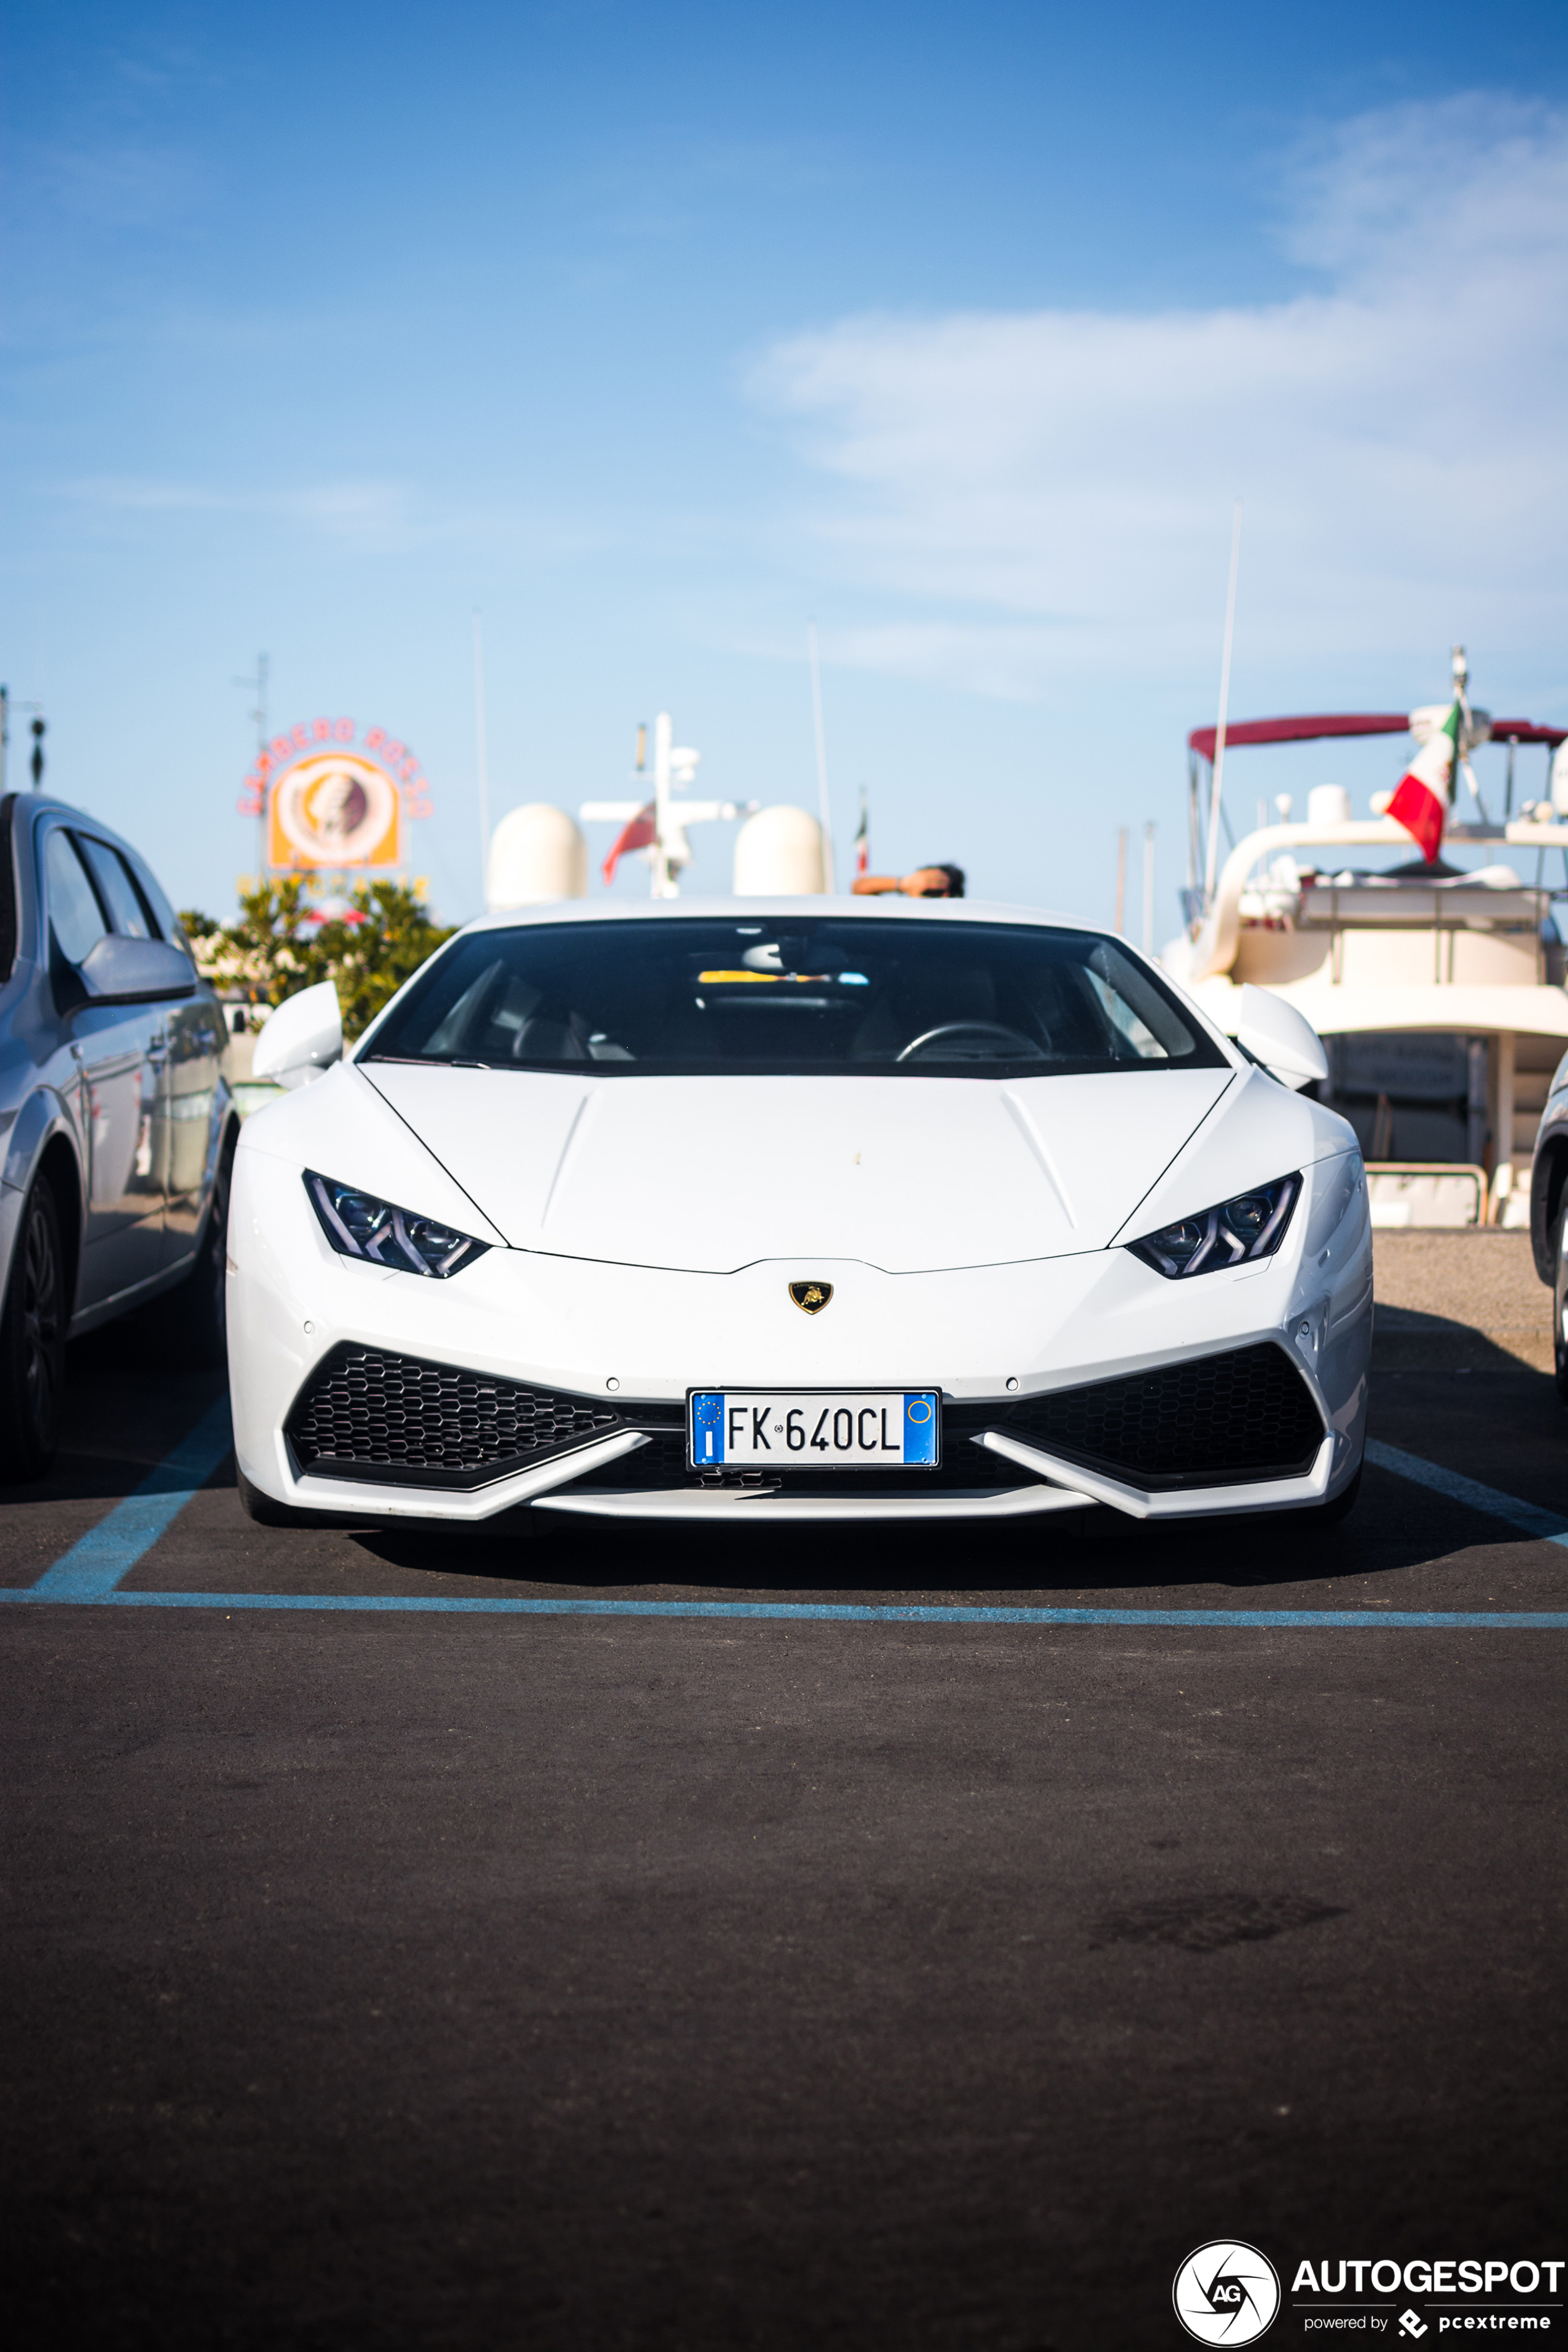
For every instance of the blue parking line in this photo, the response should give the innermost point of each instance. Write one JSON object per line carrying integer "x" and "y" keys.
{"x": 93, "y": 1568}
{"x": 850, "y": 1612}
{"x": 1551, "y": 1526}
{"x": 92, "y": 1571}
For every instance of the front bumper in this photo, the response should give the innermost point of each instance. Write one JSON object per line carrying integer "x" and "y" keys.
{"x": 612, "y": 1349}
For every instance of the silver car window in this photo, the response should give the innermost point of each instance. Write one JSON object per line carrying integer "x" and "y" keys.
{"x": 165, "y": 922}
{"x": 69, "y": 898}
{"x": 116, "y": 888}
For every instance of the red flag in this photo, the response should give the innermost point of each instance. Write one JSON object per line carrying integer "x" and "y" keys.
{"x": 638, "y": 835}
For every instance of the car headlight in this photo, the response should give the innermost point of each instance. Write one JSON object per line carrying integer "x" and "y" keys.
{"x": 359, "y": 1225}
{"x": 1249, "y": 1225}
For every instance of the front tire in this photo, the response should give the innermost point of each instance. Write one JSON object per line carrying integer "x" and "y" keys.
{"x": 33, "y": 1342}
{"x": 1328, "y": 1515}
{"x": 265, "y": 1513}
{"x": 190, "y": 1323}
{"x": 1559, "y": 1301}
{"x": 1311, "y": 1518}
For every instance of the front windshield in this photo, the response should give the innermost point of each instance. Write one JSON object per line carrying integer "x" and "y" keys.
{"x": 806, "y": 994}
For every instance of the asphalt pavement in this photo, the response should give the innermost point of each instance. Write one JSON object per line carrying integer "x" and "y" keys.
{"x": 394, "y": 1977}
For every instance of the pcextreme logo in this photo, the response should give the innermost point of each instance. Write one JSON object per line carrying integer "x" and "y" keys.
{"x": 1227, "y": 2292}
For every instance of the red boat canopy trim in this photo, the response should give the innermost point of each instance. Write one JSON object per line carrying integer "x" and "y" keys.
{"x": 1521, "y": 730}
{"x": 1300, "y": 730}
{"x": 1350, "y": 723}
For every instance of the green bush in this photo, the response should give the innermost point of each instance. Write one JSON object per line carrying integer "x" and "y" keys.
{"x": 271, "y": 950}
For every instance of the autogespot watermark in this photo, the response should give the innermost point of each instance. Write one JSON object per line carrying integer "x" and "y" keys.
{"x": 1228, "y": 2292}
{"x": 1486, "y": 2298}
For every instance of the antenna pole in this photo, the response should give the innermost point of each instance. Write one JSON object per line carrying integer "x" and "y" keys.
{"x": 1149, "y": 889}
{"x": 828, "y": 876}
{"x": 259, "y": 715}
{"x": 483, "y": 763}
{"x": 664, "y": 885}
{"x": 1195, "y": 823}
{"x": 1223, "y": 708}
{"x": 1462, "y": 696}
{"x": 1120, "y": 881}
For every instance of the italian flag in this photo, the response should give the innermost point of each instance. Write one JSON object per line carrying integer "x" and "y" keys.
{"x": 1426, "y": 788}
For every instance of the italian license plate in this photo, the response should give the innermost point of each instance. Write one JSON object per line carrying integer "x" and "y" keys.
{"x": 814, "y": 1429}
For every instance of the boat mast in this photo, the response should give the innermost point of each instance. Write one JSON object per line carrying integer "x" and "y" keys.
{"x": 657, "y": 827}
{"x": 827, "y": 814}
{"x": 1213, "y": 859}
{"x": 482, "y": 761}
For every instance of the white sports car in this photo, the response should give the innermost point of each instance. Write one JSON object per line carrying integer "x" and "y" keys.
{"x": 810, "y": 1210}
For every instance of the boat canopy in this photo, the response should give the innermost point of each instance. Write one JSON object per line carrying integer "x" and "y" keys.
{"x": 1351, "y": 722}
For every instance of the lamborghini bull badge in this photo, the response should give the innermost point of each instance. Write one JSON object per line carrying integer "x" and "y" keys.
{"x": 811, "y": 1298}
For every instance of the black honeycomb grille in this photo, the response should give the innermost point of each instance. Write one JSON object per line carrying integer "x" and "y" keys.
{"x": 367, "y": 1414}
{"x": 397, "y": 1419}
{"x": 1213, "y": 1420}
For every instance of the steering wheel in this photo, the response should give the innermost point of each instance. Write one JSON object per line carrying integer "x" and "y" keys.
{"x": 1028, "y": 1050}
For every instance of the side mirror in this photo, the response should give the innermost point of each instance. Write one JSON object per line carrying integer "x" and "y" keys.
{"x": 135, "y": 972}
{"x": 1282, "y": 1039}
{"x": 296, "y": 1043}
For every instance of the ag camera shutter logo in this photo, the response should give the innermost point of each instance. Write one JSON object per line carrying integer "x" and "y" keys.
{"x": 1227, "y": 2292}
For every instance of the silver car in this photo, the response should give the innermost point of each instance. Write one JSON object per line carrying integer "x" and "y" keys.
{"x": 1549, "y": 1214}
{"x": 116, "y": 1126}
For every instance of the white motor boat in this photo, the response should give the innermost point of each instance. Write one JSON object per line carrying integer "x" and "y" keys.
{"x": 1437, "y": 988}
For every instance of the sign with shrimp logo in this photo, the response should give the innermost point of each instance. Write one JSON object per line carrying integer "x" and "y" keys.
{"x": 335, "y": 810}
{"x": 334, "y": 798}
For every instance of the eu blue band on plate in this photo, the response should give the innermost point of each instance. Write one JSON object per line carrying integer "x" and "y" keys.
{"x": 706, "y": 1429}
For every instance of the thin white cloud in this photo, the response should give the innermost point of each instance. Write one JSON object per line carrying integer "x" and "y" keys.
{"x": 375, "y": 512}
{"x": 362, "y": 518}
{"x": 1039, "y": 493}
{"x": 119, "y": 185}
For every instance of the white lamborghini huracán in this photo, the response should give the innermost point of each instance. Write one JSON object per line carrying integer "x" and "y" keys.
{"x": 830, "y": 1209}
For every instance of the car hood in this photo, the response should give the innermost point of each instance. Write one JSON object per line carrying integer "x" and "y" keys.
{"x": 709, "y": 1174}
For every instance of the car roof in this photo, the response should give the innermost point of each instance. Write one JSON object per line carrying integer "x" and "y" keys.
{"x": 34, "y": 805}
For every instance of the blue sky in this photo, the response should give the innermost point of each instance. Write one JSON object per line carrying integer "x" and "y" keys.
{"x": 655, "y": 332}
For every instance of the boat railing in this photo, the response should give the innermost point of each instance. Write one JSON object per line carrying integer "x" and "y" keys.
{"x": 1218, "y": 928}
